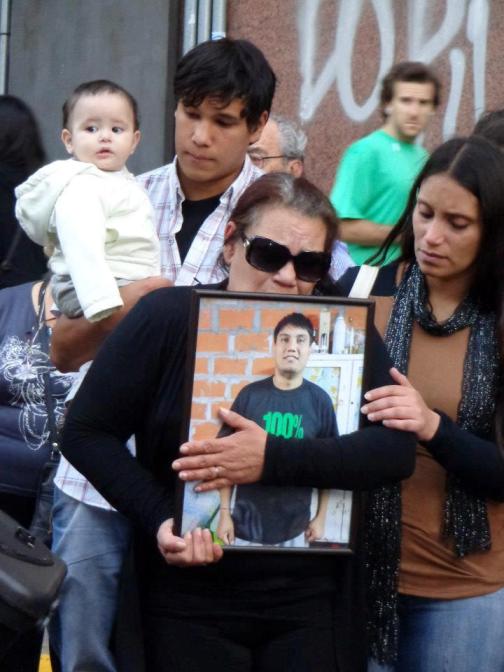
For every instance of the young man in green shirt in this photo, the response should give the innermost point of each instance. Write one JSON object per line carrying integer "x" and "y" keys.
{"x": 376, "y": 173}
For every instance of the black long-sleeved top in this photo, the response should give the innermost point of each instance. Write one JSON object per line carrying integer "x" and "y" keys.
{"x": 135, "y": 386}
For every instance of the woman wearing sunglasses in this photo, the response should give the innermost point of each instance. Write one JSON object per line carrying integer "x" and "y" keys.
{"x": 200, "y": 610}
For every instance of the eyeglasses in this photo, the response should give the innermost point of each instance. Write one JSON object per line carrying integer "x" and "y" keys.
{"x": 259, "y": 160}
{"x": 268, "y": 256}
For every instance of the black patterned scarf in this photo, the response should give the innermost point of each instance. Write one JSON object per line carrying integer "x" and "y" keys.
{"x": 465, "y": 515}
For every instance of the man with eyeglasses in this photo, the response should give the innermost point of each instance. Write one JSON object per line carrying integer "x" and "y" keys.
{"x": 281, "y": 148}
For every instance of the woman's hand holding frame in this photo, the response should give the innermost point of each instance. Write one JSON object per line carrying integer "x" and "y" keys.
{"x": 238, "y": 458}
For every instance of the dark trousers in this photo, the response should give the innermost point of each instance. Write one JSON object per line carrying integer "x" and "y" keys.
{"x": 297, "y": 637}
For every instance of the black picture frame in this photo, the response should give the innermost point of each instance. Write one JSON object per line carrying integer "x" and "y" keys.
{"x": 229, "y": 345}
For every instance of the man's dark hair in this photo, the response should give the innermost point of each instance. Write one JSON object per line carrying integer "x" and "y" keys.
{"x": 224, "y": 70}
{"x": 408, "y": 71}
{"x": 92, "y": 89}
{"x": 491, "y": 126}
{"x": 296, "y": 320}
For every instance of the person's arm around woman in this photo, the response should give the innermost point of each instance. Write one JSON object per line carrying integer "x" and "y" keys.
{"x": 362, "y": 460}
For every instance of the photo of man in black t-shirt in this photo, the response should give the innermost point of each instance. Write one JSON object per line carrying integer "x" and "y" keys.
{"x": 289, "y": 406}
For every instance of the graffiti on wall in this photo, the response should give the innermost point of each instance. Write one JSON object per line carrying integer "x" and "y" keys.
{"x": 467, "y": 17}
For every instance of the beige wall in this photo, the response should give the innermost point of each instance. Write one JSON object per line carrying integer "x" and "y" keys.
{"x": 329, "y": 56}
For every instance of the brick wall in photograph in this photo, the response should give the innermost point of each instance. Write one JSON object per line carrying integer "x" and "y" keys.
{"x": 234, "y": 349}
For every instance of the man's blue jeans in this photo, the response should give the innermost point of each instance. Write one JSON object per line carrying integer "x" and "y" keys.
{"x": 449, "y": 635}
{"x": 93, "y": 542}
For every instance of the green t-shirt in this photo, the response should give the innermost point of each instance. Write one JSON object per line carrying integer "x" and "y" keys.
{"x": 373, "y": 182}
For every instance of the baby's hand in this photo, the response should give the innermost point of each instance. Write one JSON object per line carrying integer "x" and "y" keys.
{"x": 133, "y": 292}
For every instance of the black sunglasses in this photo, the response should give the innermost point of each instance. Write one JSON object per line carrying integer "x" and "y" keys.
{"x": 268, "y": 256}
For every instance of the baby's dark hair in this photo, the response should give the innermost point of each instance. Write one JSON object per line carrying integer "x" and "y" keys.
{"x": 92, "y": 89}
{"x": 296, "y": 320}
{"x": 223, "y": 70}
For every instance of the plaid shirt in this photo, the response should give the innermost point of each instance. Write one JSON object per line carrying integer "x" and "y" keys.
{"x": 166, "y": 195}
{"x": 67, "y": 478}
{"x": 72, "y": 483}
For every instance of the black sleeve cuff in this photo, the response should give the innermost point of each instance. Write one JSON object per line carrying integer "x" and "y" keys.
{"x": 478, "y": 462}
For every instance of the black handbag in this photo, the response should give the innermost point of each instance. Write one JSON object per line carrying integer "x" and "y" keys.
{"x": 30, "y": 577}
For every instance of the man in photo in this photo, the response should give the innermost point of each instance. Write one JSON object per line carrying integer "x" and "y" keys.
{"x": 288, "y": 406}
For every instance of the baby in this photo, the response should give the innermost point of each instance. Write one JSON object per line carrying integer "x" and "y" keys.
{"x": 89, "y": 210}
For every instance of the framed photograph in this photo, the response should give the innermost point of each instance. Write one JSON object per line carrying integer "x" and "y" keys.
{"x": 296, "y": 366}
